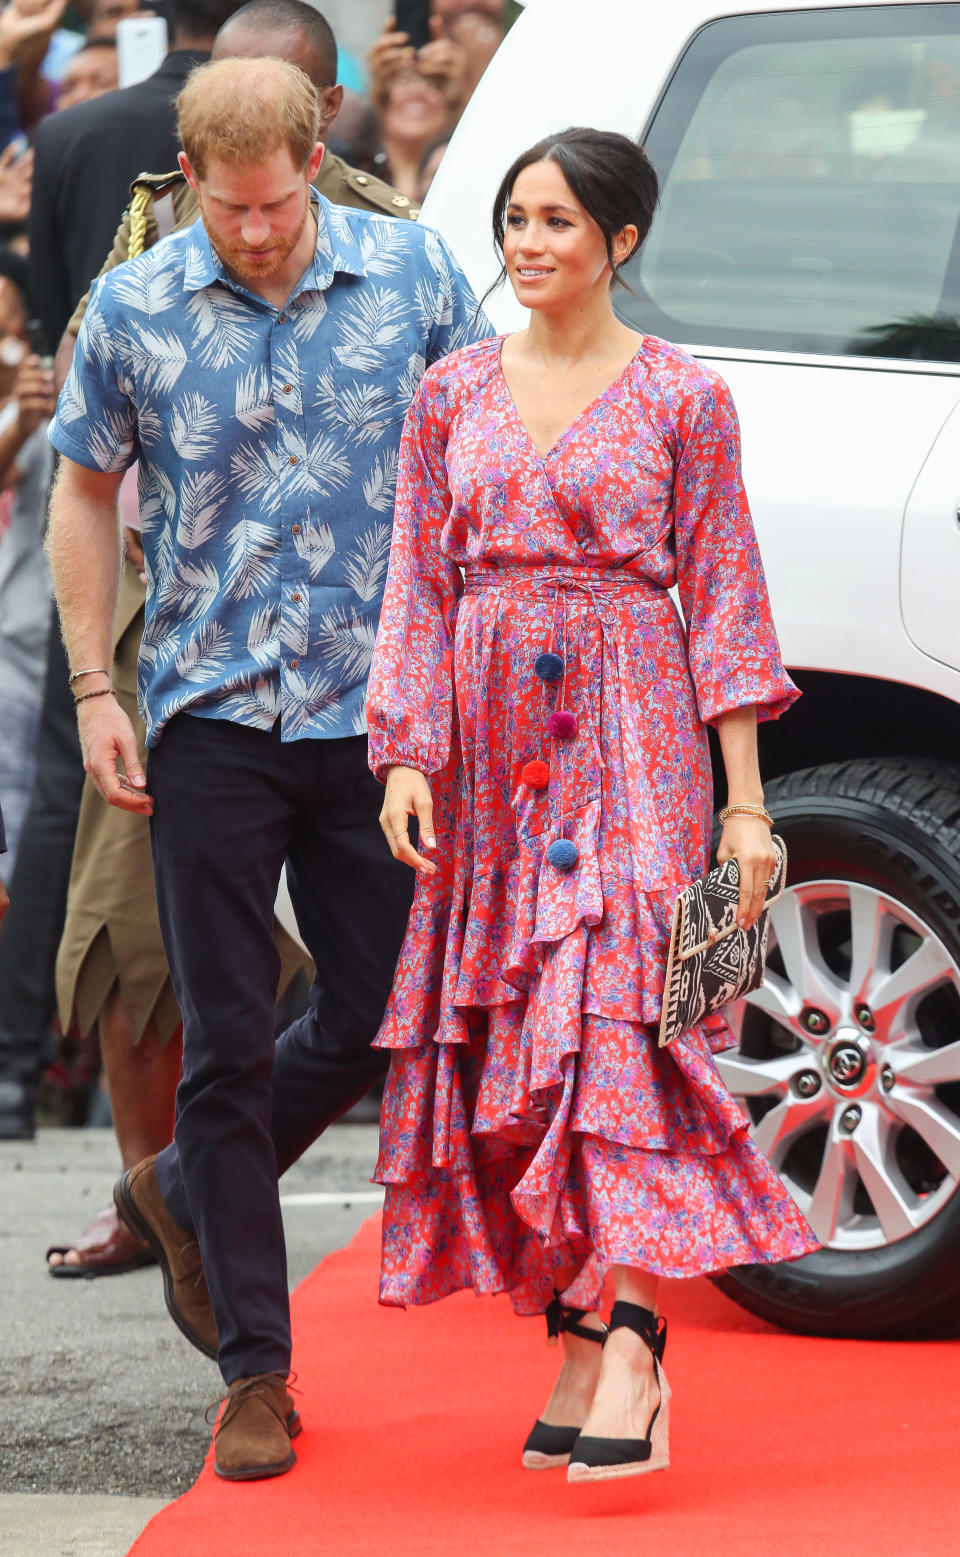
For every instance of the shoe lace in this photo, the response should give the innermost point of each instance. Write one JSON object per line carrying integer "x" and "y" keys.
{"x": 258, "y": 1384}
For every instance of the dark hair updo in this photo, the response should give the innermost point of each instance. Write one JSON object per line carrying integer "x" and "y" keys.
{"x": 611, "y": 176}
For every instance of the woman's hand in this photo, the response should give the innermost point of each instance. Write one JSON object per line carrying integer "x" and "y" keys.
{"x": 747, "y": 840}
{"x": 408, "y": 794}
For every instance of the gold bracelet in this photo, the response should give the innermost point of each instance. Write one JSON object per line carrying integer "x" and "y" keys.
{"x": 86, "y": 696}
{"x": 759, "y": 811}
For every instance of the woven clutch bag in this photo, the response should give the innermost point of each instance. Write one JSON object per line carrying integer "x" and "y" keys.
{"x": 712, "y": 961}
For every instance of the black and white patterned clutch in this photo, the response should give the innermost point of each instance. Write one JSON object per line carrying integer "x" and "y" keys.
{"x": 712, "y": 961}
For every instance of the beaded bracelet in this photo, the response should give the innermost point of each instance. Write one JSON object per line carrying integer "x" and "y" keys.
{"x": 86, "y": 696}
{"x": 759, "y": 811}
{"x": 96, "y": 670}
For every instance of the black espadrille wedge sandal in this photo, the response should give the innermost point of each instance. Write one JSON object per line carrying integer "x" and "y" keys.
{"x": 600, "y": 1459}
{"x": 548, "y": 1446}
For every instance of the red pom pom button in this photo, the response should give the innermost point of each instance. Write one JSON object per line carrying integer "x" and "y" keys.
{"x": 562, "y": 725}
{"x": 536, "y": 774}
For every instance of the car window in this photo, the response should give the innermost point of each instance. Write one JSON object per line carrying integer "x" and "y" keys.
{"x": 810, "y": 186}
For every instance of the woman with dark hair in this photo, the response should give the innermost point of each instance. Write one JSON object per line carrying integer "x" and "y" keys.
{"x": 537, "y": 705}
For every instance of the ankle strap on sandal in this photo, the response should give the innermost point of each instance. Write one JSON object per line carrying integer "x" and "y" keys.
{"x": 650, "y": 1327}
{"x": 563, "y": 1319}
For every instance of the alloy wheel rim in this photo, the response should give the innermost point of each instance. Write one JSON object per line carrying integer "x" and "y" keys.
{"x": 848, "y": 1063}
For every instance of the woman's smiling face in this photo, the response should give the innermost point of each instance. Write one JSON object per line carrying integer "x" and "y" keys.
{"x": 553, "y": 250}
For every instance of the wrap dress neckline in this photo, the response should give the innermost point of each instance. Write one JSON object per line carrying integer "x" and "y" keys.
{"x": 581, "y": 416}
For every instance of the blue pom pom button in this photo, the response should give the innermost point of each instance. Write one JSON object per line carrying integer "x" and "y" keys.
{"x": 563, "y": 854}
{"x": 549, "y": 667}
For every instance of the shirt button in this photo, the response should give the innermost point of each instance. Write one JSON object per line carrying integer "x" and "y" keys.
{"x": 287, "y": 389}
{"x": 294, "y": 664}
{"x": 293, "y": 459}
{"x": 282, "y": 319}
{"x": 295, "y": 595}
{"x": 295, "y": 529}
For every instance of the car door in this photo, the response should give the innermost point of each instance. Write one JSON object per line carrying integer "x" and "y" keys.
{"x": 930, "y": 562}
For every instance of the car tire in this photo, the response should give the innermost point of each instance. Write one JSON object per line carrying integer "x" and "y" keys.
{"x": 892, "y": 827}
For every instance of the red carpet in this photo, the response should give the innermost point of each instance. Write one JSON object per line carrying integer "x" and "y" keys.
{"x": 413, "y": 1422}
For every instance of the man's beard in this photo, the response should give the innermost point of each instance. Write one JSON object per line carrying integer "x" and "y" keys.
{"x": 235, "y": 257}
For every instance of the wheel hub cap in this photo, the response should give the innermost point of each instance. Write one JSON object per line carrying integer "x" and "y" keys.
{"x": 849, "y": 1063}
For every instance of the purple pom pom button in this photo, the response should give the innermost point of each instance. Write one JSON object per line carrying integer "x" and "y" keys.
{"x": 562, "y": 725}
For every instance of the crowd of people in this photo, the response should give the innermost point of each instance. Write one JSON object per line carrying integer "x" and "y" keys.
{"x": 103, "y": 1020}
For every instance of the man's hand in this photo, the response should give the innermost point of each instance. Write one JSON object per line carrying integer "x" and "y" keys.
{"x": 33, "y": 389}
{"x": 408, "y": 794}
{"x": 26, "y": 27}
{"x": 16, "y": 182}
{"x": 107, "y": 736}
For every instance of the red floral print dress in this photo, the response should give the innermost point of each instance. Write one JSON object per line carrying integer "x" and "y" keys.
{"x": 530, "y": 1118}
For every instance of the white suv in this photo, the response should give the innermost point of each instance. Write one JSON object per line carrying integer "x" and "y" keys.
{"x": 808, "y": 246}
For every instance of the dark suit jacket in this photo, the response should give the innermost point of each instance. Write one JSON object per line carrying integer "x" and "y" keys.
{"x": 85, "y": 161}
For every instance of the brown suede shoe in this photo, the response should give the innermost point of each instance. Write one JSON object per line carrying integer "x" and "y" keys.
{"x": 139, "y": 1201}
{"x": 253, "y": 1438}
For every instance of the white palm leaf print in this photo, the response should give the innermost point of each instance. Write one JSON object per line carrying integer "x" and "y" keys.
{"x": 409, "y": 381}
{"x": 315, "y": 545}
{"x": 163, "y": 553}
{"x": 253, "y": 406}
{"x": 202, "y": 495}
{"x": 262, "y": 640}
{"x": 72, "y": 406}
{"x": 370, "y": 328}
{"x": 425, "y": 302}
{"x": 308, "y": 700}
{"x": 365, "y": 410}
{"x": 310, "y": 314}
{"x": 193, "y": 426}
{"x": 100, "y": 342}
{"x": 345, "y": 641}
{"x": 158, "y": 358}
{"x": 160, "y": 641}
{"x": 251, "y": 557}
{"x": 321, "y": 469}
{"x": 358, "y": 720}
{"x": 221, "y": 327}
{"x": 252, "y": 702}
{"x": 295, "y": 624}
{"x": 193, "y": 587}
{"x": 437, "y": 256}
{"x": 365, "y": 564}
{"x": 148, "y": 289}
{"x": 254, "y": 468}
{"x": 111, "y": 443}
{"x": 204, "y": 656}
{"x": 327, "y": 400}
{"x": 379, "y": 487}
{"x": 385, "y": 247}
{"x": 149, "y": 425}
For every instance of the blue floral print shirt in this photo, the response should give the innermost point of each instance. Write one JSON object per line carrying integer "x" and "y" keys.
{"x": 267, "y": 440}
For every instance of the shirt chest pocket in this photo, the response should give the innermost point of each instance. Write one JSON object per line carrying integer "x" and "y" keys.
{"x": 368, "y": 401}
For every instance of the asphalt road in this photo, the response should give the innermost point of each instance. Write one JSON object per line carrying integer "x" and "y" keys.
{"x": 99, "y": 1393}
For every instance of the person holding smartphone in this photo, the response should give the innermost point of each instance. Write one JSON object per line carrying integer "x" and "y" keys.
{"x": 418, "y": 85}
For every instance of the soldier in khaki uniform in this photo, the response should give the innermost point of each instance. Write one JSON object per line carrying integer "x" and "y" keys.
{"x": 111, "y": 970}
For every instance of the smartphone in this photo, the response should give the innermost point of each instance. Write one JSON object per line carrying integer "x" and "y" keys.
{"x": 413, "y": 18}
{"x": 37, "y": 337}
{"x": 141, "y": 47}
